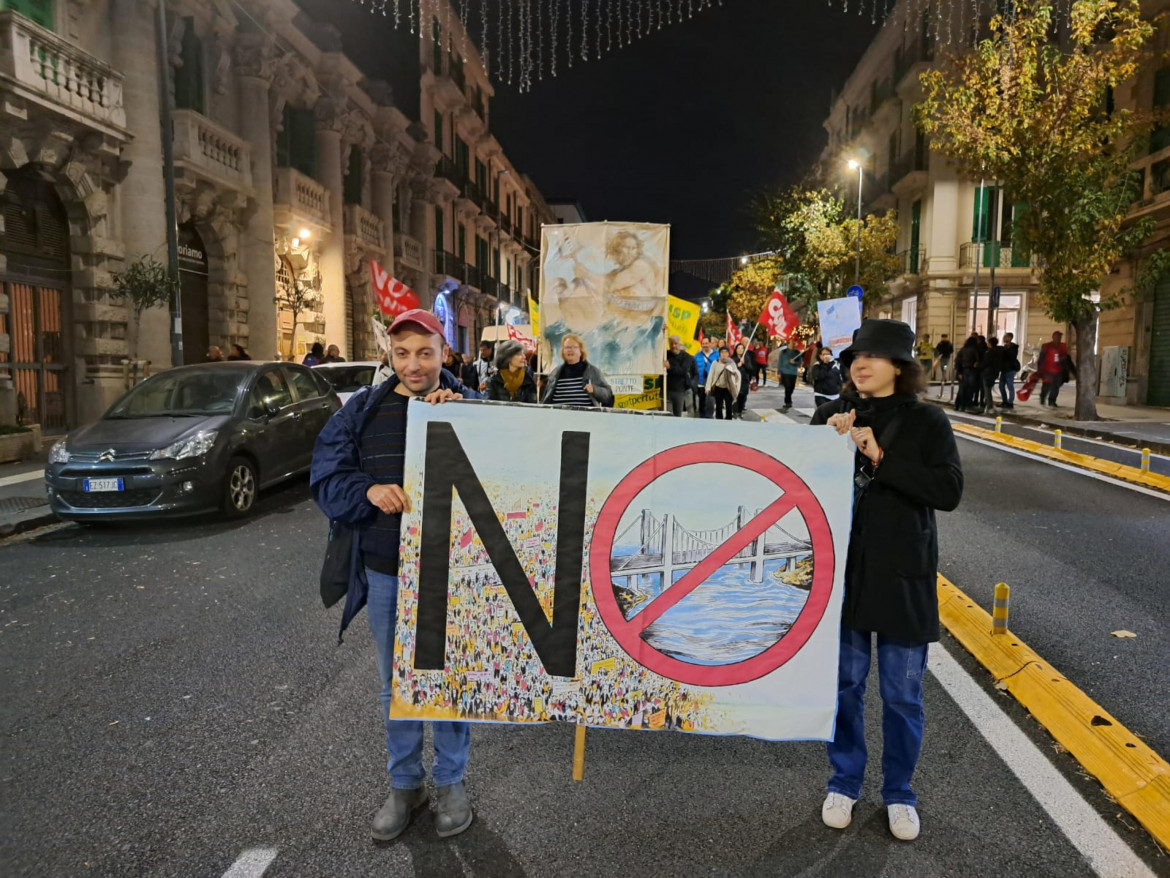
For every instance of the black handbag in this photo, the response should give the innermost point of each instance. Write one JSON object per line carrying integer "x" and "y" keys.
{"x": 335, "y": 570}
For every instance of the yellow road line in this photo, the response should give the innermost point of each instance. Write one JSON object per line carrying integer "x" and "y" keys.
{"x": 1084, "y": 461}
{"x": 1131, "y": 772}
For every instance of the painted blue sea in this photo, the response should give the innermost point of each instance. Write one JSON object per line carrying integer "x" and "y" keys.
{"x": 725, "y": 620}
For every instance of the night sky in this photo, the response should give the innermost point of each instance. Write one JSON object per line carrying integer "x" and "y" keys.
{"x": 678, "y": 128}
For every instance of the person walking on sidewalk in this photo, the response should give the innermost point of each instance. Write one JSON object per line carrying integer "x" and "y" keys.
{"x": 747, "y": 368}
{"x": 356, "y": 479}
{"x": 680, "y": 371}
{"x": 762, "y": 363}
{"x": 1055, "y": 368}
{"x": 825, "y": 377}
{"x": 708, "y": 356}
{"x": 906, "y": 466}
{"x": 1011, "y": 368}
{"x": 967, "y": 374}
{"x": 512, "y": 381}
{"x": 788, "y": 366}
{"x": 943, "y": 351}
{"x": 723, "y": 381}
{"x": 991, "y": 366}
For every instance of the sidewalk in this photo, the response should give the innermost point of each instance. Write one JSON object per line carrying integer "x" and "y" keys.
{"x": 1134, "y": 426}
{"x": 23, "y": 504}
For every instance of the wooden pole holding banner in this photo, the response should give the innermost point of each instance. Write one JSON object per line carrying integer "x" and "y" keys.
{"x": 579, "y": 754}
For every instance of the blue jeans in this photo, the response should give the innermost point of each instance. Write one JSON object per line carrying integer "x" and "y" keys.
{"x": 404, "y": 738}
{"x": 1007, "y": 386}
{"x": 900, "y": 668}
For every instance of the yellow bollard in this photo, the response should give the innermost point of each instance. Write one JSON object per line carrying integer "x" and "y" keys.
{"x": 999, "y": 611}
{"x": 1145, "y": 460}
{"x": 579, "y": 754}
{"x": 1058, "y": 436}
{"x": 999, "y": 424}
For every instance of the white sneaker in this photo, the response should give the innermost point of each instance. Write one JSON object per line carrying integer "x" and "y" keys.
{"x": 837, "y": 812}
{"x": 903, "y": 821}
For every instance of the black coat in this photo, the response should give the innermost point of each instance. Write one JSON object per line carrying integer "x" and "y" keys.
{"x": 498, "y": 392}
{"x": 892, "y": 567}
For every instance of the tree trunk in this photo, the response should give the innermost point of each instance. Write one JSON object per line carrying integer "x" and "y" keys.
{"x": 1086, "y": 401}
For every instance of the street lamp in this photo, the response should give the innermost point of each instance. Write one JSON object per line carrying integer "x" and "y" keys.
{"x": 855, "y": 165}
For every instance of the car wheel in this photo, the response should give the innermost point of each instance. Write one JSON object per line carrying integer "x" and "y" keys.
{"x": 240, "y": 487}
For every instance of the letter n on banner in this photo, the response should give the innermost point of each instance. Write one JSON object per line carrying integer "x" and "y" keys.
{"x": 447, "y": 468}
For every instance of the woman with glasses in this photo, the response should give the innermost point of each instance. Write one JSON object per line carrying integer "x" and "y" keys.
{"x": 577, "y": 382}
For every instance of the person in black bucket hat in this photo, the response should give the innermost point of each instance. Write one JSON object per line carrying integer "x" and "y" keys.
{"x": 906, "y": 466}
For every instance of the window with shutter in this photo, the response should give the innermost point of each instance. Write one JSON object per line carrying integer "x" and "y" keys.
{"x": 1160, "y": 138}
{"x": 39, "y": 11}
{"x": 439, "y": 240}
{"x": 352, "y": 190}
{"x": 439, "y": 142}
{"x": 189, "y": 74}
{"x": 915, "y": 234}
{"x": 296, "y": 146}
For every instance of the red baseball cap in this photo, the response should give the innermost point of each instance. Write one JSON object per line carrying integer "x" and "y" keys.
{"x": 417, "y": 317}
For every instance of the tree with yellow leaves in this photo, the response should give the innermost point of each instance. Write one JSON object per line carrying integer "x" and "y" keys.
{"x": 1038, "y": 117}
{"x": 751, "y": 286}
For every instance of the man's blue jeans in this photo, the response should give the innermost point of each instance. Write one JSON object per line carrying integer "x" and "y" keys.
{"x": 404, "y": 738}
{"x": 900, "y": 668}
{"x": 1007, "y": 386}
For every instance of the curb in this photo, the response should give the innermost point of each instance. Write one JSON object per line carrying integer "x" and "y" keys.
{"x": 1129, "y": 770}
{"x": 1084, "y": 461}
{"x": 27, "y": 523}
{"x": 1071, "y": 430}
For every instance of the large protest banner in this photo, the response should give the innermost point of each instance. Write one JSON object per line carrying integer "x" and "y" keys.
{"x": 839, "y": 318}
{"x": 586, "y": 580}
{"x": 607, "y": 282}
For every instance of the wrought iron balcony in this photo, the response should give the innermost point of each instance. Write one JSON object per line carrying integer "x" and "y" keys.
{"x": 987, "y": 253}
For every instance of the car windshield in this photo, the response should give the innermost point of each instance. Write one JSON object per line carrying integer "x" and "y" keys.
{"x": 182, "y": 393}
{"x": 347, "y": 379}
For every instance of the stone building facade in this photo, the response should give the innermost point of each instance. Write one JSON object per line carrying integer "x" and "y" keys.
{"x": 293, "y": 169}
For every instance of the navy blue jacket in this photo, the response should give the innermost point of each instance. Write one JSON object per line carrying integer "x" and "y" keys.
{"x": 338, "y": 483}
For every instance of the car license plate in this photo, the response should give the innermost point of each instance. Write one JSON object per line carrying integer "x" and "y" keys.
{"x": 94, "y": 485}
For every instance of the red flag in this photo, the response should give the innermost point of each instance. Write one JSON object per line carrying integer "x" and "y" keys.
{"x": 778, "y": 317}
{"x": 701, "y": 335}
{"x": 392, "y": 295}
{"x": 516, "y": 335}
{"x": 734, "y": 336}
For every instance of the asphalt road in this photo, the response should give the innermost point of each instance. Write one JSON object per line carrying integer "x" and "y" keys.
{"x": 174, "y": 695}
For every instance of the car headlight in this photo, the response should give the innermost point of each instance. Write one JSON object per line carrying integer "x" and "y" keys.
{"x": 58, "y": 453}
{"x": 197, "y": 446}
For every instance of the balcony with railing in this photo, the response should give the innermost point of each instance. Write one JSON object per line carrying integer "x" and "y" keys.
{"x": 51, "y": 70}
{"x": 302, "y": 196}
{"x": 472, "y": 276}
{"x": 505, "y": 225}
{"x": 448, "y": 264}
{"x": 911, "y": 61}
{"x": 365, "y": 227}
{"x": 986, "y": 253}
{"x": 448, "y": 92}
{"x": 408, "y": 251}
{"x": 913, "y": 260}
{"x": 210, "y": 150}
{"x": 908, "y": 173}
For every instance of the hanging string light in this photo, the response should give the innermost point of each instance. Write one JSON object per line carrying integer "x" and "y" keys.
{"x": 521, "y": 41}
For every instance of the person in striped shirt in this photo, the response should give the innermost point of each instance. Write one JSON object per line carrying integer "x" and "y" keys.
{"x": 577, "y": 382}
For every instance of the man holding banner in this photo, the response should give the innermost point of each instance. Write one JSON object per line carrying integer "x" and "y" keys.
{"x": 357, "y": 480}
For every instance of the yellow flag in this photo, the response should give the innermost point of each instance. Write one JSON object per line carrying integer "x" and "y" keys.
{"x": 682, "y": 320}
{"x": 534, "y": 316}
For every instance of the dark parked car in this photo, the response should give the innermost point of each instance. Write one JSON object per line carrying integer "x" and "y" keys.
{"x": 190, "y": 440}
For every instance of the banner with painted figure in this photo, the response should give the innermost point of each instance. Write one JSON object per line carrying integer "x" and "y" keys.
{"x": 607, "y": 283}
{"x": 839, "y": 319}
{"x": 586, "y": 581}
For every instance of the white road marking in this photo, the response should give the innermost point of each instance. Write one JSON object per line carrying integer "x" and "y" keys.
{"x": 1085, "y": 829}
{"x": 22, "y": 477}
{"x": 252, "y": 863}
{"x": 1141, "y": 489}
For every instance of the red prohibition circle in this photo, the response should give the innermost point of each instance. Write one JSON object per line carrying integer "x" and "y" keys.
{"x": 627, "y": 632}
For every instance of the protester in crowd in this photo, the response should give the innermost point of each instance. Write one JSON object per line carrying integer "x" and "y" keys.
{"x": 788, "y": 366}
{"x": 746, "y": 367}
{"x": 237, "y": 352}
{"x": 356, "y": 479}
{"x": 762, "y": 363}
{"x": 825, "y": 377}
{"x": 906, "y": 466}
{"x": 967, "y": 374}
{"x": 333, "y": 355}
{"x": 925, "y": 352}
{"x": 468, "y": 373}
{"x": 1055, "y": 368}
{"x": 723, "y": 384}
{"x": 943, "y": 351}
{"x": 512, "y": 380}
{"x": 990, "y": 366}
{"x": 981, "y": 344}
{"x": 577, "y": 381}
{"x": 483, "y": 366}
{"x": 453, "y": 363}
{"x": 1007, "y": 375}
{"x": 384, "y": 372}
{"x": 315, "y": 355}
{"x": 708, "y": 356}
{"x": 214, "y": 354}
{"x": 680, "y": 376}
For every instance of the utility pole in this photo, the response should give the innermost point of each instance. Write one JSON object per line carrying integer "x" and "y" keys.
{"x": 995, "y": 250}
{"x": 168, "y": 155}
{"x": 853, "y": 163}
{"x": 978, "y": 257}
